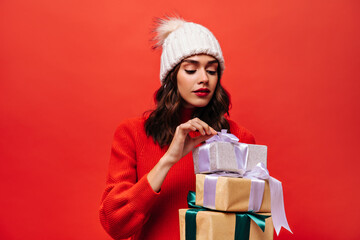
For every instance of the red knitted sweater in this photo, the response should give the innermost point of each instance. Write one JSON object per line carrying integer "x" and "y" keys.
{"x": 130, "y": 209}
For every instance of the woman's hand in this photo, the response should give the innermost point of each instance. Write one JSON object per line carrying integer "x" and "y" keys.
{"x": 181, "y": 145}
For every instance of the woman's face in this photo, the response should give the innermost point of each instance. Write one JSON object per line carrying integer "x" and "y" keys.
{"x": 196, "y": 80}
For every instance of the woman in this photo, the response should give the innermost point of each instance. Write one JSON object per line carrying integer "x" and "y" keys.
{"x": 151, "y": 168}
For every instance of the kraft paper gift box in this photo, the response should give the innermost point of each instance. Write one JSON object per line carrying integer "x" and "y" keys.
{"x": 220, "y": 153}
{"x": 232, "y": 194}
{"x": 213, "y": 225}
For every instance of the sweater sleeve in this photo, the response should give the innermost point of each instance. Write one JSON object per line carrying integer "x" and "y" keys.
{"x": 126, "y": 200}
{"x": 244, "y": 135}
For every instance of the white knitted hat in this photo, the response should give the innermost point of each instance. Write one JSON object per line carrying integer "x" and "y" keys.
{"x": 180, "y": 39}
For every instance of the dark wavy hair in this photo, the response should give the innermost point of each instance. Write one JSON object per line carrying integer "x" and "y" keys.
{"x": 162, "y": 122}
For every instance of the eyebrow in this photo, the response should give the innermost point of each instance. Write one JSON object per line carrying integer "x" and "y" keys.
{"x": 197, "y": 62}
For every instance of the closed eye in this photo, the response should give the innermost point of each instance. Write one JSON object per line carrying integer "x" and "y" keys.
{"x": 190, "y": 71}
{"x": 211, "y": 72}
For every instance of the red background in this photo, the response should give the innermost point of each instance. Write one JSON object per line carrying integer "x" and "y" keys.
{"x": 72, "y": 70}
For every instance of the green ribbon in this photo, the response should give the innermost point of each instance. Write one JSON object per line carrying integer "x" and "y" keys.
{"x": 242, "y": 225}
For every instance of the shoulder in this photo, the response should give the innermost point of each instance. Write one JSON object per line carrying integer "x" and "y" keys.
{"x": 131, "y": 126}
{"x": 241, "y": 132}
{"x": 132, "y": 122}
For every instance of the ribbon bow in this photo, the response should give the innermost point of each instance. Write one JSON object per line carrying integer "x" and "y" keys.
{"x": 276, "y": 194}
{"x": 223, "y": 136}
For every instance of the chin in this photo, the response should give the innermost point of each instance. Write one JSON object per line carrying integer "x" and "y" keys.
{"x": 200, "y": 104}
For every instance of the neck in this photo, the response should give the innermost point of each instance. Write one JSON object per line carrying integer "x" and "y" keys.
{"x": 186, "y": 114}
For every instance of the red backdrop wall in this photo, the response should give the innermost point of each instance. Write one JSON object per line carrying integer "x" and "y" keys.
{"x": 72, "y": 70}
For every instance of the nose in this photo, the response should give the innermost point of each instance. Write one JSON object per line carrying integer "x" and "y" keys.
{"x": 204, "y": 78}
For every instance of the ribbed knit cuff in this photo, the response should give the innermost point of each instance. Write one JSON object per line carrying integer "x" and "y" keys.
{"x": 146, "y": 196}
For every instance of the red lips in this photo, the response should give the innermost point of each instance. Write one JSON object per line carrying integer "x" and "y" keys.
{"x": 202, "y": 92}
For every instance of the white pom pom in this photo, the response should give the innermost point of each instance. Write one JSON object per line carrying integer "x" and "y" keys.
{"x": 165, "y": 27}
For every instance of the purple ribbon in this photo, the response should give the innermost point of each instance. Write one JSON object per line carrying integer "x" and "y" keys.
{"x": 260, "y": 172}
{"x": 210, "y": 191}
{"x": 204, "y": 158}
{"x": 241, "y": 153}
{"x": 210, "y": 187}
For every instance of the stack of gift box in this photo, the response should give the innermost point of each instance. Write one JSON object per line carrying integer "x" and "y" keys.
{"x": 235, "y": 196}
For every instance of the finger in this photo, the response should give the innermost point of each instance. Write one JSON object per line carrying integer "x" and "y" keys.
{"x": 203, "y": 125}
{"x": 200, "y": 139}
{"x": 213, "y": 131}
{"x": 199, "y": 127}
{"x": 209, "y": 130}
{"x": 187, "y": 127}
